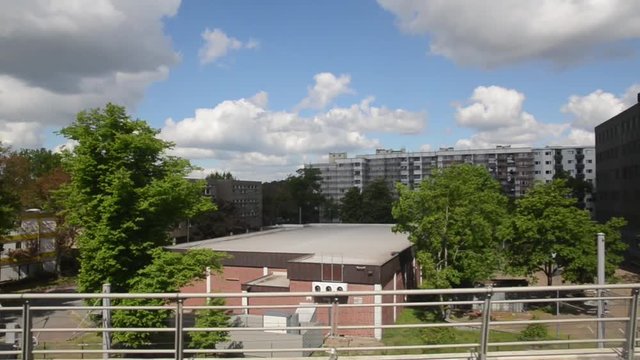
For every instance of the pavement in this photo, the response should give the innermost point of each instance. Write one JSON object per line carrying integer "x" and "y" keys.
{"x": 71, "y": 319}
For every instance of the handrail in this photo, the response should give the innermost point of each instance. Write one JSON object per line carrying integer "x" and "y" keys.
{"x": 334, "y": 324}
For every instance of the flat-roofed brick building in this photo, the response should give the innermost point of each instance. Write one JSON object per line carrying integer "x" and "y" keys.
{"x": 318, "y": 258}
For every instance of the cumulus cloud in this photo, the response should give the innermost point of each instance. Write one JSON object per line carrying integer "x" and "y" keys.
{"x": 217, "y": 44}
{"x": 60, "y": 57}
{"x": 247, "y": 136}
{"x": 590, "y": 110}
{"x": 492, "y": 33}
{"x": 326, "y": 88}
{"x": 497, "y": 113}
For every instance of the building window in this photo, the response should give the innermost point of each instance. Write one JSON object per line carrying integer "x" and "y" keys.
{"x": 547, "y": 162}
{"x": 548, "y": 172}
{"x": 589, "y": 161}
{"x": 569, "y": 161}
{"x": 589, "y": 171}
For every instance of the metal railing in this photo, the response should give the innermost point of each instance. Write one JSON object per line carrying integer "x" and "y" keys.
{"x": 334, "y": 318}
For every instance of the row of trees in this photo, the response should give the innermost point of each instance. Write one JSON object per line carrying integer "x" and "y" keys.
{"x": 465, "y": 230}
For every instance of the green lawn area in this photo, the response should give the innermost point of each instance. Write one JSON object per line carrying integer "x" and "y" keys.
{"x": 417, "y": 336}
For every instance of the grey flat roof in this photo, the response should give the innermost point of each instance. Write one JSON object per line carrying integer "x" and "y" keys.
{"x": 366, "y": 244}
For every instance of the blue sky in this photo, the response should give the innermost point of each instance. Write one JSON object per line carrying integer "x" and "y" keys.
{"x": 259, "y": 88}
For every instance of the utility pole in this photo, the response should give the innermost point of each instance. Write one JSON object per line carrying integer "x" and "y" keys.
{"x": 600, "y": 292}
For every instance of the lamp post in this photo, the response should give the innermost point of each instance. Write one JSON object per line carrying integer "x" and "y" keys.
{"x": 553, "y": 256}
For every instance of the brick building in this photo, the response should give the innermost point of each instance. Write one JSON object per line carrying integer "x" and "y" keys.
{"x": 316, "y": 258}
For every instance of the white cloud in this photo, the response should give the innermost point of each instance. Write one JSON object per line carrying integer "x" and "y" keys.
{"x": 492, "y": 33}
{"x": 217, "y": 44}
{"x": 265, "y": 144}
{"x": 498, "y": 114}
{"x": 597, "y": 107}
{"x": 60, "y": 57}
{"x": 426, "y": 147}
{"x": 492, "y": 107}
{"x": 364, "y": 117}
{"x": 326, "y": 88}
{"x": 20, "y": 134}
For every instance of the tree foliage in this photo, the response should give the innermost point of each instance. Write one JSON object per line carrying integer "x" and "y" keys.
{"x": 455, "y": 220}
{"x": 578, "y": 186}
{"x": 220, "y": 176}
{"x": 125, "y": 192}
{"x": 298, "y": 198}
{"x": 351, "y": 206}
{"x": 548, "y": 232}
{"x": 9, "y": 201}
{"x": 377, "y": 202}
{"x": 373, "y": 205}
{"x": 167, "y": 272}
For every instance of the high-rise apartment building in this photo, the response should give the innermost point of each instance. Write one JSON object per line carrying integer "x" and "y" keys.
{"x": 618, "y": 171}
{"x": 515, "y": 168}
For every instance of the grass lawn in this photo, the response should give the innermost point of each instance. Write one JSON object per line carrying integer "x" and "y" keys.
{"x": 415, "y": 336}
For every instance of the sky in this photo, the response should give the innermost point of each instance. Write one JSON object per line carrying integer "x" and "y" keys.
{"x": 260, "y": 88}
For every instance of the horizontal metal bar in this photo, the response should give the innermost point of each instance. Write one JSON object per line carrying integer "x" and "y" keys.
{"x": 201, "y": 329}
{"x": 555, "y": 342}
{"x": 409, "y": 326}
{"x": 558, "y": 321}
{"x": 103, "y": 329}
{"x": 266, "y": 306}
{"x": 176, "y": 296}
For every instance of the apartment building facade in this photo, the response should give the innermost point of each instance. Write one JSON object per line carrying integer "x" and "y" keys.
{"x": 618, "y": 172}
{"x": 30, "y": 249}
{"x": 515, "y": 168}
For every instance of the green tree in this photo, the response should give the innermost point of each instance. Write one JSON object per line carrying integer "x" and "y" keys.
{"x": 125, "y": 192}
{"x": 578, "y": 186}
{"x": 220, "y": 176}
{"x": 305, "y": 192}
{"x": 167, "y": 272}
{"x": 210, "y": 318}
{"x": 278, "y": 205}
{"x": 9, "y": 201}
{"x": 351, "y": 206}
{"x": 377, "y": 202}
{"x": 454, "y": 219}
{"x": 548, "y": 232}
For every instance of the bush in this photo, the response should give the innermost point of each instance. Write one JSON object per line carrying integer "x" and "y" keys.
{"x": 534, "y": 332}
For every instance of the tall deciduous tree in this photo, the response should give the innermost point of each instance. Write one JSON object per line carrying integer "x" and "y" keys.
{"x": 125, "y": 192}
{"x": 377, "y": 202}
{"x": 9, "y": 201}
{"x": 454, "y": 218}
{"x": 168, "y": 272}
{"x": 351, "y": 206}
{"x": 549, "y": 232}
{"x": 373, "y": 205}
{"x": 305, "y": 191}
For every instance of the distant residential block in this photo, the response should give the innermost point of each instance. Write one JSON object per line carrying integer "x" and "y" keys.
{"x": 30, "y": 249}
{"x": 515, "y": 168}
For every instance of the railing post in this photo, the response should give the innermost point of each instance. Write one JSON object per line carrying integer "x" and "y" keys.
{"x": 632, "y": 327}
{"x": 179, "y": 337}
{"x": 333, "y": 317}
{"x": 486, "y": 323}
{"x": 106, "y": 322}
{"x": 27, "y": 342}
